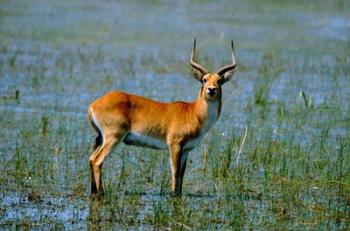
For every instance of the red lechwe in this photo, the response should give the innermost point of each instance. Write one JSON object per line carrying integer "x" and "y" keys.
{"x": 176, "y": 126}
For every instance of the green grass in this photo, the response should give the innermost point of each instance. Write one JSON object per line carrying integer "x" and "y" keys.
{"x": 278, "y": 158}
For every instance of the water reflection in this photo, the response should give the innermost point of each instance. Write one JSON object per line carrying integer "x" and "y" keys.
{"x": 180, "y": 213}
{"x": 94, "y": 218}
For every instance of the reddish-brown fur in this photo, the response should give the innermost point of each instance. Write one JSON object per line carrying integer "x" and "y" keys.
{"x": 119, "y": 116}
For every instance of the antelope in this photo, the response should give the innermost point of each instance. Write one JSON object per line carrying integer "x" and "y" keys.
{"x": 176, "y": 126}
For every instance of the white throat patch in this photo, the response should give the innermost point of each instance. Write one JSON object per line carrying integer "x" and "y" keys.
{"x": 212, "y": 116}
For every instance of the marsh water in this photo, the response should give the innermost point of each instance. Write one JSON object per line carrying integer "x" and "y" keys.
{"x": 289, "y": 98}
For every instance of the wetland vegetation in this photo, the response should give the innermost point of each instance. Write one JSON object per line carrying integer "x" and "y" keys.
{"x": 278, "y": 158}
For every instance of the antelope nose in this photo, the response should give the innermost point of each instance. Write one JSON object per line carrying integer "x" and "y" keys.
{"x": 211, "y": 91}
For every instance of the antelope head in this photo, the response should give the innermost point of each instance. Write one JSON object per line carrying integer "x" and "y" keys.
{"x": 212, "y": 82}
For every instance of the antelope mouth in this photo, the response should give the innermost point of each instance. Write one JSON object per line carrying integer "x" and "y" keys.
{"x": 210, "y": 95}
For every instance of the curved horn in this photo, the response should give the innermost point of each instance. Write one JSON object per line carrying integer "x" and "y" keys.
{"x": 195, "y": 65}
{"x": 229, "y": 67}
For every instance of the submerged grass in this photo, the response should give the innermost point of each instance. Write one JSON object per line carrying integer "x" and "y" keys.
{"x": 277, "y": 159}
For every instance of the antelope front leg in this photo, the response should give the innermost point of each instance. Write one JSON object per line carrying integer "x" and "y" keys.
{"x": 178, "y": 166}
{"x": 182, "y": 163}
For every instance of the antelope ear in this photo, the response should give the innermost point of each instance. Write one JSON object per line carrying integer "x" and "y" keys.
{"x": 197, "y": 74}
{"x": 227, "y": 76}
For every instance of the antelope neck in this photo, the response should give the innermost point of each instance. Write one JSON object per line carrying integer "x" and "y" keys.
{"x": 207, "y": 111}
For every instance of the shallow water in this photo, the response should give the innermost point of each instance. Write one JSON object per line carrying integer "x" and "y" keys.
{"x": 57, "y": 57}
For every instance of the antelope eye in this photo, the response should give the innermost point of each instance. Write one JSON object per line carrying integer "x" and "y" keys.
{"x": 204, "y": 80}
{"x": 220, "y": 81}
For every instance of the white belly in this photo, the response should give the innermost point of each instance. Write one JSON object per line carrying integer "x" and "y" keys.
{"x": 138, "y": 139}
